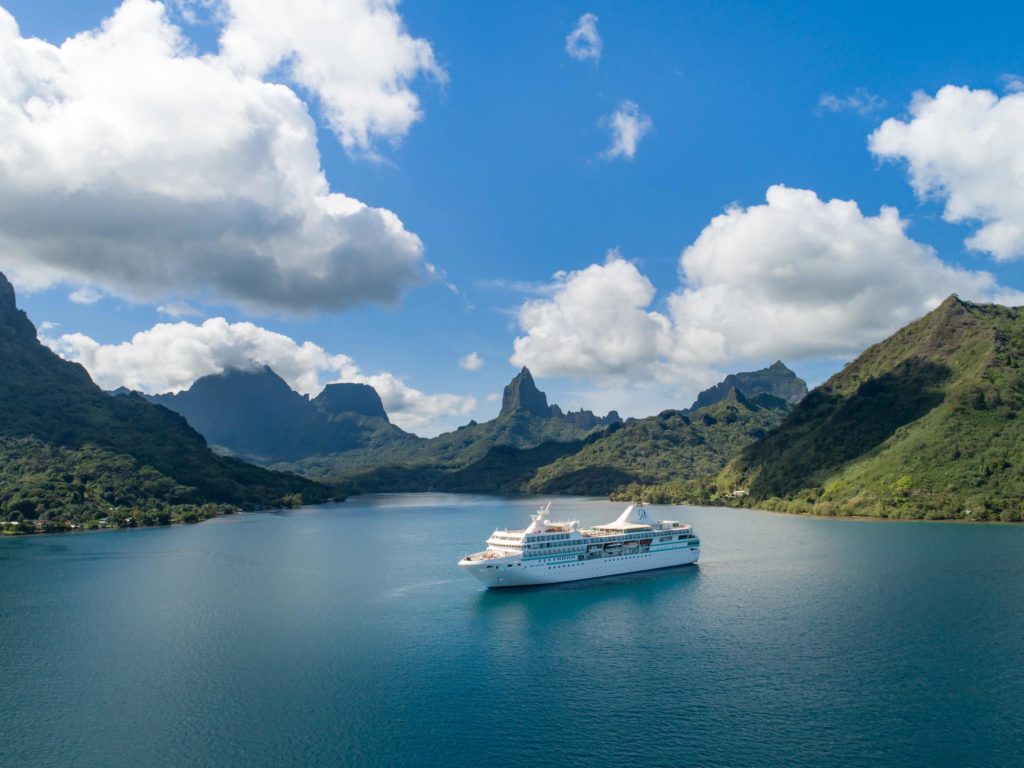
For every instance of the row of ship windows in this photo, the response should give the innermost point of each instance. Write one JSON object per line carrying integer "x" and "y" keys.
{"x": 560, "y": 539}
{"x": 581, "y": 543}
{"x": 547, "y": 555}
{"x": 553, "y": 537}
{"x": 571, "y": 559}
{"x": 570, "y": 565}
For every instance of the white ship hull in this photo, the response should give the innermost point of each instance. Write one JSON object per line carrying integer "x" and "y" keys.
{"x": 516, "y": 572}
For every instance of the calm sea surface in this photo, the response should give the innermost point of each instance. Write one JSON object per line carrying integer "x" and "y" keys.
{"x": 345, "y": 635}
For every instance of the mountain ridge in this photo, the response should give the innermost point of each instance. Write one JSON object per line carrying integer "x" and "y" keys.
{"x": 513, "y": 454}
{"x": 521, "y": 395}
{"x": 921, "y": 425}
{"x": 777, "y": 379}
{"x": 343, "y": 398}
{"x": 70, "y": 453}
{"x": 254, "y": 414}
{"x": 658, "y": 449}
{"x": 525, "y": 422}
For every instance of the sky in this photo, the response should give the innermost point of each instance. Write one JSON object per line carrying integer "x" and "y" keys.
{"x": 632, "y": 199}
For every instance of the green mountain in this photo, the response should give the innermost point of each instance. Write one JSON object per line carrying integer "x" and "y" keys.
{"x": 71, "y": 453}
{"x": 500, "y": 469}
{"x": 669, "y": 447}
{"x": 533, "y": 447}
{"x": 255, "y": 415}
{"x": 526, "y": 422}
{"x": 925, "y": 424}
{"x": 775, "y": 380}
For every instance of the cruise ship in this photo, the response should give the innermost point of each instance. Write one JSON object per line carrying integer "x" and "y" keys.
{"x": 548, "y": 552}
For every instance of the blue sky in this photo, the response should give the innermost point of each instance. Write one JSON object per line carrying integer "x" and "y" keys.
{"x": 504, "y": 182}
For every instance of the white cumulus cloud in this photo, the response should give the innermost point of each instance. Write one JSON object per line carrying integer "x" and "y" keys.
{"x": 595, "y": 322}
{"x": 471, "y": 362}
{"x": 131, "y": 164}
{"x": 628, "y": 125}
{"x": 584, "y": 42}
{"x": 965, "y": 147}
{"x": 355, "y": 55}
{"x": 800, "y": 277}
{"x": 796, "y": 277}
{"x": 169, "y": 357}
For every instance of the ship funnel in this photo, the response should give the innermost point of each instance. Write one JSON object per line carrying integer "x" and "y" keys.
{"x": 635, "y": 513}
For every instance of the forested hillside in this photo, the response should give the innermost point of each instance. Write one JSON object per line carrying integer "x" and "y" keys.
{"x": 70, "y": 454}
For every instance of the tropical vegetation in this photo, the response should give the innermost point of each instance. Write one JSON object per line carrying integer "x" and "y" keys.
{"x": 924, "y": 425}
{"x": 72, "y": 455}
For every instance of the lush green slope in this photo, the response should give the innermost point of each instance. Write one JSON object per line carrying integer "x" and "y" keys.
{"x": 448, "y": 452}
{"x": 501, "y": 469}
{"x": 668, "y": 447}
{"x": 255, "y": 415}
{"x": 52, "y": 412}
{"x": 52, "y": 488}
{"x": 661, "y": 449}
{"x": 526, "y": 421}
{"x": 925, "y": 424}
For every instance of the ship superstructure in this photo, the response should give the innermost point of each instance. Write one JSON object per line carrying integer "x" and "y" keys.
{"x": 547, "y": 552}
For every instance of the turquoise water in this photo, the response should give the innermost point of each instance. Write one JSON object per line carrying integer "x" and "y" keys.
{"x": 345, "y": 635}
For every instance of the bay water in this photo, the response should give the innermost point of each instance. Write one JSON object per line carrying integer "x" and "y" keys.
{"x": 345, "y": 635}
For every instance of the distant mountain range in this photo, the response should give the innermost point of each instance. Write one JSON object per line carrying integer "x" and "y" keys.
{"x": 926, "y": 424}
{"x": 525, "y": 422}
{"x": 534, "y": 447}
{"x": 344, "y": 436}
{"x": 255, "y": 415}
{"x": 71, "y": 454}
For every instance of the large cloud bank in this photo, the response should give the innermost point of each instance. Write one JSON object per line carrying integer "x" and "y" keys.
{"x": 170, "y": 356}
{"x": 795, "y": 277}
{"x": 131, "y": 164}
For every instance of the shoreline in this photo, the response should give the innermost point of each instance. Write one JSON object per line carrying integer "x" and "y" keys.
{"x": 6, "y": 533}
{"x": 598, "y": 497}
{"x": 859, "y": 518}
